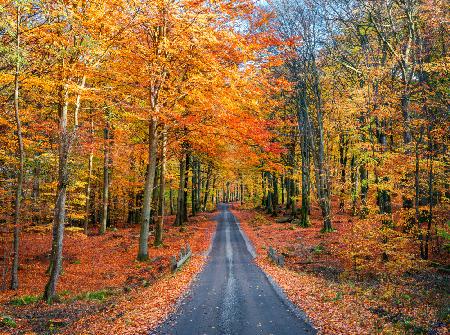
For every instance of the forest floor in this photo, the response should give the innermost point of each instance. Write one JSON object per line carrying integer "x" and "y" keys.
{"x": 315, "y": 280}
{"x": 103, "y": 289}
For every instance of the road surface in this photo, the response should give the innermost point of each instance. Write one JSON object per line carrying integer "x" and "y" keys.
{"x": 232, "y": 295}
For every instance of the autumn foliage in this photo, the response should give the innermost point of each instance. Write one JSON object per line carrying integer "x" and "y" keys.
{"x": 120, "y": 121}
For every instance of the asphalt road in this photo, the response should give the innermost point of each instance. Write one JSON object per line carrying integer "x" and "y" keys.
{"x": 232, "y": 295}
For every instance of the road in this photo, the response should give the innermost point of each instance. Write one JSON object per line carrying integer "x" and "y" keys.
{"x": 232, "y": 295}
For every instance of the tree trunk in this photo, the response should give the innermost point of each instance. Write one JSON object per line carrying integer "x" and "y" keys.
{"x": 35, "y": 193}
{"x": 199, "y": 186}
{"x": 88, "y": 186}
{"x": 185, "y": 187}
{"x": 105, "y": 180}
{"x": 343, "y": 149}
{"x": 208, "y": 182}
{"x": 305, "y": 148}
{"x": 61, "y": 194}
{"x": 171, "y": 200}
{"x": 264, "y": 190}
{"x": 179, "y": 219}
{"x": 148, "y": 190}
{"x": 20, "y": 175}
{"x": 405, "y": 102}
{"x": 364, "y": 178}
{"x": 269, "y": 193}
{"x": 194, "y": 180}
{"x": 430, "y": 195}
{"x": 354, "y": 187}
{"x": 242, "y": 192}
{"x": 275, "y": 195}
{"x": 322, "y": 173}
{"x": 162, "y": 180}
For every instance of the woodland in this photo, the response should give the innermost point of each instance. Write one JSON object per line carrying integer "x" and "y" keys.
{"x": 124, "y": 123}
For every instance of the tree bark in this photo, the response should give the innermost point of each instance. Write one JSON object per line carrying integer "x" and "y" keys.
{"x": 430, "y": 195}
{"x": 89, "y": 182}
{"x": 61, "y": 195}
{"x": 275, "y": 195}
{"x": 179, "y": 219}
{"x": 264, "y": 190}
{"x": 354, "y": 187}
{"x": 364, "y": 180}
{"x": 186, "y": 184}
{"x": 207, "y": 186}
{"x": 162, "y": 180}
{"x": 105, "y": 180}
{"x": 20, "y": 174}
{"x": 242, "y": 192}
{"x": 343, "y": 149}
{"x": 171, "y": 200}
{"x": 148, "y": 190}
{"x": 305, "y": 154}
{"x": 194, "y": 181}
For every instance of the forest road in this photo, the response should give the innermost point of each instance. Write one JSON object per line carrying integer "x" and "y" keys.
{"x": 232, "y": 295}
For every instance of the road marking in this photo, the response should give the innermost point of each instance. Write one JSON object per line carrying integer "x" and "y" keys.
{"x": 229, "y": 300}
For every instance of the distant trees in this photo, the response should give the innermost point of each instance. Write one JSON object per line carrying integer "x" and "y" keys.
{"x": 367, "y": 100}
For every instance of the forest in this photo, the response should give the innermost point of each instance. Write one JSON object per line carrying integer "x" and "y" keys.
{"x": 125, "y": 126}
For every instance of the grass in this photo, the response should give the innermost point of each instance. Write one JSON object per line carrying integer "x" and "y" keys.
{"x": 8, "y": 321}
{"x": 95, "y": 295}
{"x": 318, "y": 249}
{"x": 25, "y": 300}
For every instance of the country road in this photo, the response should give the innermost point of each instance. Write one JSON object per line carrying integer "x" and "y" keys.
{"x": 232, "y": 295}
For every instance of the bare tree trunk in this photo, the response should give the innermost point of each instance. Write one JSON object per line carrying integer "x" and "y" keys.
{"x": 405, "y": 104}
{"x": 275, "y": 195}
{"x": 322, "y": 173}
{"x": 264, "y": 190}
{"x": 306, "y": 184}
{"x": 160, "y": 223}
{"x": 364, "y": 180}
{"x": 148, "y": 190}
{"x": 179, "y": 219}
{"x": 430, "y": 195}
{"x": 208, "y": 182}
{"x": 20, "y": 175}
{"x": 89, "y": 182}
{"x": 416, "y": 197}
{"x": 199, "y": 186}
{"x": 306, "y": 154}
{"x": 343, "y": 149}
{"x": 215, "y": 193}
{"x": 185, "y": 187}
{"x": 61, "y": 195}
{"x": 269, "y": 193}
{"x": 242, "y": 192}
{"x": 354, "y": 187}
{"x": 36, "y": 189}
{"x": 105, "y": 180}
{"x": 194, "y": 181}
{"x": 171, "y": 201}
